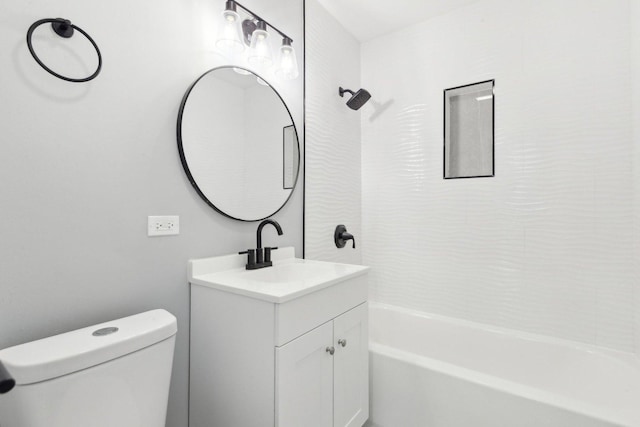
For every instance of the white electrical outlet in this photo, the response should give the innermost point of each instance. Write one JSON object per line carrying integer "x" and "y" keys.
{"x": 163, "y": 225}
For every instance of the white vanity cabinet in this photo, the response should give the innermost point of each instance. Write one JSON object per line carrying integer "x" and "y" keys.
{"x": 322, "y": 376}
{"x": 280, "y": 348}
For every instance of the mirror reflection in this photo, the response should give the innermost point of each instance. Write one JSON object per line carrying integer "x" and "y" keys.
{"x": 291, "y": 157}
{"x": 238, "y": 144}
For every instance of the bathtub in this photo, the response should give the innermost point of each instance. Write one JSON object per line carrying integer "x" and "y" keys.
{"x": 432, "y": 371}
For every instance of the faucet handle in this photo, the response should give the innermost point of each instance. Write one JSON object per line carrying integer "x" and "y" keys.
{"x": 340, "y": 237}
{"x": 251, "y": 256}
{"x": 267, "y": 253}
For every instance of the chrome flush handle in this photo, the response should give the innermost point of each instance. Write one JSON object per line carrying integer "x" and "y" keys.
{"x": 342, "y": 342}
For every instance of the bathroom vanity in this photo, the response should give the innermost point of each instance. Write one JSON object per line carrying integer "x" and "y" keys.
{"x": 283, "y": 346}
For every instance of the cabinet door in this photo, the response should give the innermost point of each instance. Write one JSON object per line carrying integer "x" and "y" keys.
{"x": 351, "y": 368}
{"x": 304, "y": 380}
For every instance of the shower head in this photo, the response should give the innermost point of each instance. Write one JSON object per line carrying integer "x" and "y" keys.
{"x": 358, "y": 99}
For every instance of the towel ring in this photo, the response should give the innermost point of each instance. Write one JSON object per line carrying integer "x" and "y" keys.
{"x": 63, "y": 28}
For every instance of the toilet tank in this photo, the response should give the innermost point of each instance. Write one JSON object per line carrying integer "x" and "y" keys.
{"x": 115, "y": 374}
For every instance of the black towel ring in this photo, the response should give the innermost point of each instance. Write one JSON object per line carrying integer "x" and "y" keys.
{"x": 63, "y": 28}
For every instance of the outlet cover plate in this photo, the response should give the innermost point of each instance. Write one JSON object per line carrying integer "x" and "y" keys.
{"x": 163, "y": 225}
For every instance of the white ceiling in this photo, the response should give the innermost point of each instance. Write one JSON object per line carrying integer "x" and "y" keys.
{"x": 368, "y": 19}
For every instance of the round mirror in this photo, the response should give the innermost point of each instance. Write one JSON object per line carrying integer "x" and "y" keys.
{"x": 238, "y": 144}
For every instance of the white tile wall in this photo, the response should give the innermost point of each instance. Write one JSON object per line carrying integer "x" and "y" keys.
{"x": 333, "y": 138}
{"x": 547, "y": 245}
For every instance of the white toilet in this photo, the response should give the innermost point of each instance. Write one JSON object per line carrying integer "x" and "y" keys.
{"x": 115, "y": 374}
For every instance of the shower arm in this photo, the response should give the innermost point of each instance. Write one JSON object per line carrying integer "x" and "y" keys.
{"x": 342, "y": 91}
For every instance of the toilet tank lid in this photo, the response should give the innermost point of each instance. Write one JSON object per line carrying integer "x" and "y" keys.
{"x": 73, "y": 351}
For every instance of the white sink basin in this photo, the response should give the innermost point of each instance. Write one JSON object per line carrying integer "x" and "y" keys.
{"x": 291, "y": 270}
{"x": 288, "y": 278}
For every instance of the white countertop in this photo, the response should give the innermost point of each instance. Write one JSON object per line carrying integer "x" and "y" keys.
{"x": 287, "y": 279}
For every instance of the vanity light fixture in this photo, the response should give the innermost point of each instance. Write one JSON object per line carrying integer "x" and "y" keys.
{"x": 287, "y": 61}
{"x": 260, "y": 48}
{"x": 233, "y": 37}
{"x": 230, "y": 34}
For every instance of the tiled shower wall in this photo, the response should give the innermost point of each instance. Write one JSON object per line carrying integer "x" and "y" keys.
{"x": 547, "y": 245}
{"x": 333, "y": 137}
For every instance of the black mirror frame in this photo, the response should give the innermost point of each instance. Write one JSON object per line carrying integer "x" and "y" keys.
{"x": 183, "y": 159}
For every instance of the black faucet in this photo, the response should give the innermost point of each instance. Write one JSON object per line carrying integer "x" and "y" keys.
{"x": 261, "y": 257}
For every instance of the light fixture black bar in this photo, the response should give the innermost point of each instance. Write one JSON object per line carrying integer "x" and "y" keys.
{"x": 255, "y": 16}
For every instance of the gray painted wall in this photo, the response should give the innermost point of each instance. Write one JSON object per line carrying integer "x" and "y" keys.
{"x": 83, "y": 165}
{"x": 634, "y": 18}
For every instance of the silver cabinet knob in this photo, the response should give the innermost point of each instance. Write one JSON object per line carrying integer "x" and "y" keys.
{"x": 342, "y": 342}
{"x": 331, "y": 350}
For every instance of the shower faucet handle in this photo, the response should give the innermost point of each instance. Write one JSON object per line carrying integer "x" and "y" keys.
{"x": 340, "y": 237}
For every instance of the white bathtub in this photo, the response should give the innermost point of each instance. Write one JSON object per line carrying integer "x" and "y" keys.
{"x": 432, "y": 371}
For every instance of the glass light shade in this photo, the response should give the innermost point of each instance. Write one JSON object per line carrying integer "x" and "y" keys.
{"x": 260, "y": 49}
{"x": 287, "y": 63}
{"x": 230, "y": 34}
